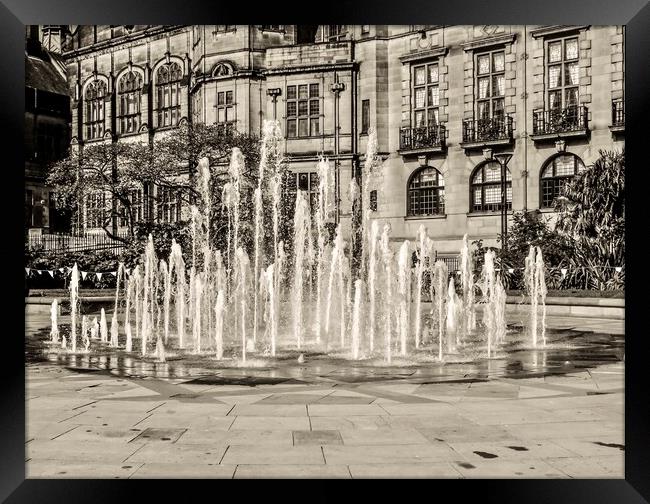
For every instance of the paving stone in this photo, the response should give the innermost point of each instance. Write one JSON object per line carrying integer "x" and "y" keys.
{"x": 291, "y": 471}
{"x": 178, "y": 454}
{"x": 385, "y": 436}
{"x": 157, "y": 434}
{"x": 508, "y": 449}
{"x": 391, "y": 471}
{"x": 328, "y": 410}
{"x": 269, "y": 410}
{"x": 460, "y": 433}
{"x": 496, "y": 468}
{"x": 316, "y": 437}
{"x": 558, "y": 430}
{"x": 154, "y": 470}
{"x": 74, "y": 470}
{"x": 86, "y": 451}
{"x": 583, "y": 467}
{"x": 350, "y": 422}
{"x": 593, "y": 445}
{"x": 272, "y": 423}
{"x": 290, "y": 399}
{"x": 294, "y": 455}
{"x": 397, "y": 454}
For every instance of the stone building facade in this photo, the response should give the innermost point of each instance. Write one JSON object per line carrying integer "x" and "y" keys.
{"x": 436, "y": 96}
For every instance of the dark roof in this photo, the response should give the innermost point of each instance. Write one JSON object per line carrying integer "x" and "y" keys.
{"x": 45, "y": 74}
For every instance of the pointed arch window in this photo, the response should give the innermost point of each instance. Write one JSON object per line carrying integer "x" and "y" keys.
{"x": 168, "y": 94}
{"x": 556, "y": 173}
{"x": 95, "y": 109}
{"x": 426, "y": 193}
{"x": 129, "y": 91}
{"x": 486, "y": 188}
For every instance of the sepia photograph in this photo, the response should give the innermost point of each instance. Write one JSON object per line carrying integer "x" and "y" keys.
{"x": 324, "y": 251}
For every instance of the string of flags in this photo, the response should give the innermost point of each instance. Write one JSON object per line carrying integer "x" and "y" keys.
{"x": 66, "y": 271}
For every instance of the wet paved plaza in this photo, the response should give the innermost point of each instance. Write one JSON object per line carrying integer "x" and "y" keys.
{"x": 551, "y": 414}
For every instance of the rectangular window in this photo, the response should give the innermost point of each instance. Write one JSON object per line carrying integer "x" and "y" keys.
{"x": 373, "y": 201}
{"x": 226, "y": 110}
{"x": 425, "y": 95}
{"x": 490, "y": 84}
{"x": 306, "y": 181}
{"x": 168, "y": 205}
{"x": 562, "y": 73}
{"x": 365, "y": 29}
{"x": 365, "y": 116}
{"x": 303, "y": 110}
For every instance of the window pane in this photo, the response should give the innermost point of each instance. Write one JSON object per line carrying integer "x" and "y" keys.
{"x": 302, "y": 108}
{"x": 548, "y": 171}
{"x": 291, "y": 108}
{"x": 571, "y": 72}
{"x": 478, "y": 198}
{"x": 291, "y": 92}
{"x": 478, "y": 177}
{"x": 303, "y": 127}
{"x": 302, "y": 91}
{"x": 554, "y": 76}
{"x": 221, "y": 116}
{"x": 555, "y": 52}
{"x": 419, "y": 119}
{"x": 483, "y": 87}
{"x": 419, "y": 76}
{"x": 492, "y": 194}
{"x": 555, "y": 100}
{"x": 498, "y": 85}
{"x": 313, "y": 90}
{"x": 497, "y": 108}
{"x": 492, "y": 172}
{"x": 483, "y": 64}
{"x": 484, "y": 110}
{"x": 434, "y": 96}
{"x": 498, "y": 62}
{"x": 313, "y": 107}
{"x": 419, "y": 98}
{"x": 571, "y": 97}
{"x": 291, "y": 128}
{"x": 314, "y": 126}
{"x": 220, "y": 98}
{"x": 432, "y": 117}
{"x": 564, "y": 165}
{"x": 571, "y": 49}
{"x": 228, "y": 97}
{"x": 433, "y": 73}
{"x": 303, "y": 181}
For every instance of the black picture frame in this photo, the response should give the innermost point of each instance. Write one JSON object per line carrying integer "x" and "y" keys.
{"x": 635, "y": 14}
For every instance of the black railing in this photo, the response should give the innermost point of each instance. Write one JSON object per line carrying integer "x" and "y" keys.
{"x": 618, "y": 112}
{"x": 65, "y": 242}
{"x": 422, "y": 138}
{"x": 565, "y": 120}
{"x": 487, "y": 130}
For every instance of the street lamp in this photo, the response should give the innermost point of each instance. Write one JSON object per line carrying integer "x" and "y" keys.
{"x": 503, "y": 159}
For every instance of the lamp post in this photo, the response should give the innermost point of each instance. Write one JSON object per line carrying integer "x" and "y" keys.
{"x": 502, "y": 159}
{"x": 274, "y": 93}
{"x": 336, "y": 88}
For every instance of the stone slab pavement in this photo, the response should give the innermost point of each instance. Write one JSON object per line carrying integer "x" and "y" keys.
{"x": 101, "y": 425}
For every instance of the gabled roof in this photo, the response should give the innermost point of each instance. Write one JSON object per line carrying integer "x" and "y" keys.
{"x": 46, "y": 74}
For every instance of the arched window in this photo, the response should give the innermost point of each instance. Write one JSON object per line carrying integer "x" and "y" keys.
{"x": 486, "y": 188}
{"x": 555, "y": 174}
{"x": 95, "y": 97}
{"x": 128, "y": 90}
{"x": 426, "y": 193}
{"x": 168, "y": 94}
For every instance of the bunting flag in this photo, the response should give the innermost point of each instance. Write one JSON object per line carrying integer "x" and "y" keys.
{"x": 51, "y": 273}
{"x": 618, "y": 269}
{"x": 27, "y": 270}
{"x": 114, "y": 273}
{"x": 511, "y": 270}
{"x": 99, "y": 276}
{"x": 62, "y": 270}
{"x": 83, "y": 274}
{"x": 563, "y": 270}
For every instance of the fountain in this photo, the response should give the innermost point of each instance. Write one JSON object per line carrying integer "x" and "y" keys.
{"x": 536, "y": 290}
{"x": 54, "y": 313}
{"x": 249, "y": 296}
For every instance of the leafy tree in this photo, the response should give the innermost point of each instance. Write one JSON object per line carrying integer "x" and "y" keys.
{"x": 592, "y": 214}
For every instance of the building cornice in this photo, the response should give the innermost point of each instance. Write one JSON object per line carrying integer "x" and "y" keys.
{"x": 488, "y": 42}
{"x": 436, "y": 52}
{"x": 110, "y": 45}
{"x": 556, "y": 30}
{"x": 328, "y": 67}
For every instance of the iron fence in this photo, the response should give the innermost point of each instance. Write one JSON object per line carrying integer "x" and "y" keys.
{"x": 68, "y": 242}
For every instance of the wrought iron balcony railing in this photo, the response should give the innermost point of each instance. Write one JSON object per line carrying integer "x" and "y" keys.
{"x": 618, "y": 112}
{"x": 568, "y": 120}
{"x": 427, "y": 137}
{"x": 493, "y": 129}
